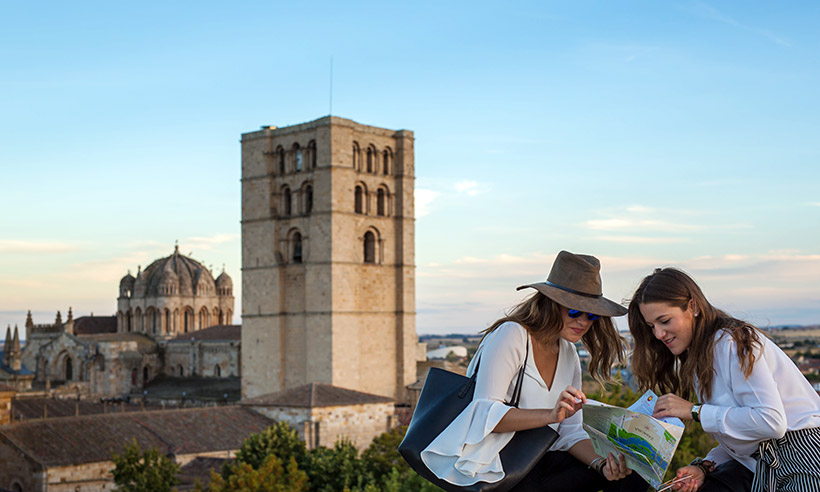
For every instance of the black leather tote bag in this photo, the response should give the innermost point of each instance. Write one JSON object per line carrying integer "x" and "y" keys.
{"x": 443, "y": 397}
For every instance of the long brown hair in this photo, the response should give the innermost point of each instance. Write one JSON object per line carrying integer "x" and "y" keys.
{"x": 655, "y": 366}
{"x": 541, "y": 317}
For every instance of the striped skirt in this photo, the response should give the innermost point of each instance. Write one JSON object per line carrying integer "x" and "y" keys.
{"x": 789, "y": 464}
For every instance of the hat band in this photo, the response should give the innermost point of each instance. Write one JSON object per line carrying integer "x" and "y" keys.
{"x": 567, "y": 289}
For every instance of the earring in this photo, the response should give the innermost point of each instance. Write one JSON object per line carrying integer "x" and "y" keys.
{"x": 697, "y": 314}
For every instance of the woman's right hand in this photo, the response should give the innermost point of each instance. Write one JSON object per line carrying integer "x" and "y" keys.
{"x": 691, "y": 484}
{"x": 570, "y": 401}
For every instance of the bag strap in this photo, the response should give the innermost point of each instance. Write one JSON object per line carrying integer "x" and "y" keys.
{"x": 516, "y": 396}
{"x": 519, "y": 382}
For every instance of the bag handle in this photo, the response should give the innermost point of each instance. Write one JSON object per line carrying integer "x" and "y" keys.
{"x": 519, "y": 382}
{"x": 516, "y": 396}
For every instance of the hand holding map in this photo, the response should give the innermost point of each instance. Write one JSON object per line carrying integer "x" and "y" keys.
{"x": 648, "y": 444}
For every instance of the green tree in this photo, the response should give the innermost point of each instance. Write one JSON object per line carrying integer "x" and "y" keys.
{"x": 336, "y": 469}
{"x": 270, "y": 476}
{"x": 409, "y": 481}
{"x": 136, "y": 471}
{"x": 382, "y": 456}
{"x": 279, "y": 440}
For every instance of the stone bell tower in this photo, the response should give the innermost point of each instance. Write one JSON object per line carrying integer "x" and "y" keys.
{"x": 328, "y": 274}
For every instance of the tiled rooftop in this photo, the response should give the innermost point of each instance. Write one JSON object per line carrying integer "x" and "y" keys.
{"x": 95, "y": 438}
{"x": 315, "y": 395}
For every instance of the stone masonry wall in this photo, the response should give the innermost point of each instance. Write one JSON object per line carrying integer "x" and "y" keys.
{"x": 331, "y": 318}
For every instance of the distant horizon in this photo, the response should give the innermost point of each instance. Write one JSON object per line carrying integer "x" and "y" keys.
{"x": 7, "y": 316}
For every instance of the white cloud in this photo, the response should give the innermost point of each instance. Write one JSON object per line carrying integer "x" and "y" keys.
{"x": 712, "y": 13}
{"x": 208, "y": 242}
{"x": 424, "y": 199}
{"x": 640, "y": 239}
{"x": 467, "y": 294}
{"x": 639, "y": 224}
{"x": 35, "y": 247}
{"x": 470, "y": 188}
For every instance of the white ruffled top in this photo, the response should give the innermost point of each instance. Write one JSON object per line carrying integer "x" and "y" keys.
{"x": 466, "y": 451}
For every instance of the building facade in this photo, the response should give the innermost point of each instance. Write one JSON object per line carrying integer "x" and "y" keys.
{"x": 174, "y": 295}
{"x": 328, "y": 258}
{"x": 173, "y": 318}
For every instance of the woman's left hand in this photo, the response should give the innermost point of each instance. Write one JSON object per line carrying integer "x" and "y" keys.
{"x": 615, "y": 468}
{"x": 670, "y": 405}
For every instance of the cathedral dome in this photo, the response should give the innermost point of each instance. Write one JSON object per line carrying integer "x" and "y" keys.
{"x": 223, "y": 281}
{"x": 175, "y": 275}
{"x": 127, "y": 285}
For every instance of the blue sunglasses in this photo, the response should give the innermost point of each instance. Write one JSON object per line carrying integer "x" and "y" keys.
{"x": 574, "y": 313}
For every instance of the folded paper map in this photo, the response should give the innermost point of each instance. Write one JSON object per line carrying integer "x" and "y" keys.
{"x": 647, "y": 443}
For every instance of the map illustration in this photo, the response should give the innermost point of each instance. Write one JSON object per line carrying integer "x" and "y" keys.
{"x": 648, "y": 444}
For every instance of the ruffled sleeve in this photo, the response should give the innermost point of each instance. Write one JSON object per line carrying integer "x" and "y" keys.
{"x": 467, "y": 451}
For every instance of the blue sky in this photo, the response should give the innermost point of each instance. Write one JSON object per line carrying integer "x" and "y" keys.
{"x": 645, "y": 133}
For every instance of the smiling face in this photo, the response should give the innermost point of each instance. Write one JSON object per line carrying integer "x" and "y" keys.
{"x": 670, "y": 324}
{"x": 573, "y": 328}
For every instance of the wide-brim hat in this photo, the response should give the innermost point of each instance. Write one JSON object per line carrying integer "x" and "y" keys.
{"x": 575, "y": 282}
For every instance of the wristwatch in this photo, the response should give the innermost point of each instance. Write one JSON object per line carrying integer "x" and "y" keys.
{"x": 707, "y": 466}
{"x": 696, "y": 413}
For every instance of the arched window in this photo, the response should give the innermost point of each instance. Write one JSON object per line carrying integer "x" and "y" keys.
{"x": 145, "y": 375}
{"x": 154, "y": 321}
{"x": 356, "y": 156}
{"x": 181, "y": 371}
{"x": 380, "y": 202}
{"x": 217, "y": 371}
{"x": 280, "y": 157}
{"x": 287, "y": 202}
{"x": 308, "y": 199}
{"x": 370, "y": 159}
{"x": 386, "y": 161}
{"x": 369, "y": 247}
{"x": 167, "y": 320}
{"x": 297, "y": 248}
{"x": 189, "y": 321}
{"x": 69, "y": 369}
{"x": 312, "y": 153}
{"x": 133, "y": 377}
{"x": 359, "y": 200}
{"x": 297, "y": 155}
{"x": 140, "y": 320}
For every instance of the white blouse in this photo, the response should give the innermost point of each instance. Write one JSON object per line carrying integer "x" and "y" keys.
{"x": 466, "y": 451}
{"x": 742, "y": 412}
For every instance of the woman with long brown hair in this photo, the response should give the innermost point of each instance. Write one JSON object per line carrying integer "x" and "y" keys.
{"x": 754, "y": 400}
{"x": 540, "y": 335}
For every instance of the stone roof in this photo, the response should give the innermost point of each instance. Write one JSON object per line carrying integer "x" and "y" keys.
{"x": 91, "y": 325}
{"x": 219, "y": 332}
{"x": 8, "y": 370}
{"x": 144, "y": 344}
{"x": 36, "y": 408}
{"x": 187, "y": 276}
{"x": 315, "y": 395}
{"x": 96, "y": 438}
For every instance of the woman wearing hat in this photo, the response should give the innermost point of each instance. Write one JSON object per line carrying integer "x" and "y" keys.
{"x": 762, "y": 411}
{"x": 540, "y": 334}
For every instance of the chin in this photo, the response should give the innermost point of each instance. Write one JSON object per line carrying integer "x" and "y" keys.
{"x": 573, "y": 338}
